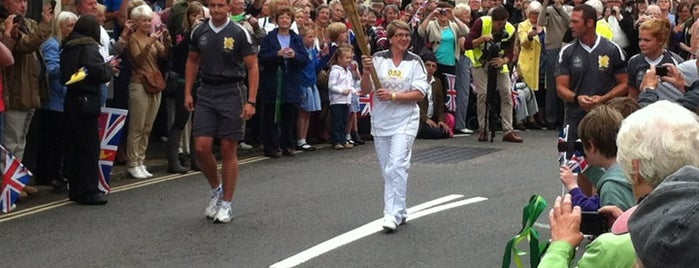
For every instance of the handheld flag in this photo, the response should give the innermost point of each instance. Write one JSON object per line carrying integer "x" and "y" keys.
{"x": 14, "y": 177}
{"x": 450, "y": 98}
{"x": 111, "y": 125}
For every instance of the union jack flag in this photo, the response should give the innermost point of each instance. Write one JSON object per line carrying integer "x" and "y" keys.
{"x": 365, "y": 104}
{"x": 14, "y": 177}
{"x": 450, "y": 100}
{"x": 111, "y": 124}
{"x": 515, "y": 95}
{"x": 577, "y": 163}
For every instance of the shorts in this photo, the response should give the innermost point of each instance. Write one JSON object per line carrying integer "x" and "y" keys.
{"x": 310, "y": 99}
{"x": 354, "y": 106}
{"x": 217, "y": 111}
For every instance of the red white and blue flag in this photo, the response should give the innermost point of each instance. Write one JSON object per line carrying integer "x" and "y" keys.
{"x": 577, "y": 163}
{"x": 111, "y": 124}
{"x": 14, "y": 177}
{"x": 365, "y": 104}
{"x": 450, "y": 98}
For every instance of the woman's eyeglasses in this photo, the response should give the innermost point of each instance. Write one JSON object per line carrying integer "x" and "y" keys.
{"x": 402, "y": 35}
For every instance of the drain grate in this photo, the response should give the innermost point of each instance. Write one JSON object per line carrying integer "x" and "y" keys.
{"x": 449, "y": 154}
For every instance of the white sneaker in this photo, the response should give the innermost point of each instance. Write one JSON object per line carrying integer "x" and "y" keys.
{"x": 224, "y": 214}
{"x": 213, "y": 207}
{"x": 389, "y": 223}
{"x": 465, "y": 131}
{"x": 136, "y": 172}
{"x": 145, "y": 171}
{"x": 244, "y": 146}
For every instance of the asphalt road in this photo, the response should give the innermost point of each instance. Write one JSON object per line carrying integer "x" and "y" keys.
{"x": 287, "y": 206}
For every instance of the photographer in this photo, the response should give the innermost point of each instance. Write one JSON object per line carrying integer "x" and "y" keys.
{"x": 492, "y": 44}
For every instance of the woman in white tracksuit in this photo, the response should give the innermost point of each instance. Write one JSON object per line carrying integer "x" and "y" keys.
{"x": 395, "y": 115}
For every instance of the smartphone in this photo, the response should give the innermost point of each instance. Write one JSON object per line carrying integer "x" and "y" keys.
{"x": 661, "y": 70}
{"x": 53, "y": 5}
{"x": 593, "y": 223}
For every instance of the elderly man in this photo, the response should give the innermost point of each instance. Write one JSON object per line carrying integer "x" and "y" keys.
{"x": 25, "y": 82}
{"x": 648, "y": 158}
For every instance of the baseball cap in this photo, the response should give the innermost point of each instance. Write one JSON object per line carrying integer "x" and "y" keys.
{"x": 665, "y": 226}
{"x": 621, "y": 224}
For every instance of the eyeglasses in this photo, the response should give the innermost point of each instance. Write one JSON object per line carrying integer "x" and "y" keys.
{"x": 402, "y": 35}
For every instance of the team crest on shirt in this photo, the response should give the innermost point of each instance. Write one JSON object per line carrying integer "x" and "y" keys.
{"x": 228, "y": 43}
{"x": 603, "y": 62}
{"x": 577, "y": 62}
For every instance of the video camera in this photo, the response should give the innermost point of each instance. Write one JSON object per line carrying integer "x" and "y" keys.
{"x": 492, "y": 48}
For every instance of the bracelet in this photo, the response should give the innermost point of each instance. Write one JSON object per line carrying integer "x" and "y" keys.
{"x": 251, "y": 103}
{"x": 393, "y": 96}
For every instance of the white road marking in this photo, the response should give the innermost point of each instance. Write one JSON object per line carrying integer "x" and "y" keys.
{"x": 542, "y": 225}
{"x": 368, "y": 229}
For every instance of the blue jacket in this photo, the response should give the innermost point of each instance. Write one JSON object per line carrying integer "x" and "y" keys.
{"x": 57, "y": 91}
{"x": 292, "y": 69}
{"x": 311, "y": 70}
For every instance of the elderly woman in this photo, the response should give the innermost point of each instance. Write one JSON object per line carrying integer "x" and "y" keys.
{"x": 531, "y": 38}
{"x": 653, "y": 38}
{"x": 283, "y": 57}
{"x": 441, "y": 31}
{"x": 648, "y": 158}
{"x": 51, "y": 145}
{"x": 145, "y": 49}
{"x": 396, "y": 116}
{"x": 82, "y": 109}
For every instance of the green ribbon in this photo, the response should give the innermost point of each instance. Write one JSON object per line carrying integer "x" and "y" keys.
{"x": 537, "y": 204}
{"x": 278, "y": 100}
{"x": 238, "y": 18}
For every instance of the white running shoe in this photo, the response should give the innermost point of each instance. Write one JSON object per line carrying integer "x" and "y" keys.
{"x": 244, "y": 146}
{"x": 145, "y": 171}
{"x": 224, "y": 214}
{"x": 389, "y": 223}
{"x": 214, "y": 205}
{"x": 136, "y": 173}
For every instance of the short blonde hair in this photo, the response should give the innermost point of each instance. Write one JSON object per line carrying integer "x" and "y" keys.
{"x": 460, "y": 9}
{"x": 335, "y": 29}
{"x": 62, "y": 17}
{"x": 142, "y": 12}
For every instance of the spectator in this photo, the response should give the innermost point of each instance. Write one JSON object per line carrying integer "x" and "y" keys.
{"x": 282, "y": 56}
{"x": 268, "y": 23}
{"x": 531, "y": 37}
{"x": 341, "y": 84}
{"x": 621, "y": 24}
{"x": 50, "y": 156}
{"x": 647, "y": 158}
{"x": 145, "y": 50}
{"x": 597, "y": 130}
{"x": 433, "y": 119}
{"x": 82, "y": 109}
{"x": 91, "y": 7}
{"x": 441, "y": 31}
{"x": 555, "y": 18}
{"x": 463, "y": 74}
{"x": 322, "y": 21}
{"x": 21, "y": 95}
{"x": 684, "y": 44}
{"x": 653, "y": 35}
{"x": 310, "y": 100}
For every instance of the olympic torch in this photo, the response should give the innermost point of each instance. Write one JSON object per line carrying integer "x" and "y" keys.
{"x": 351, "y": 12}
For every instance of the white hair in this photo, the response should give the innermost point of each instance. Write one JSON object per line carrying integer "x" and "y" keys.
{"x": 142, "y": 12}
{"x": 461, "y": 8}
{"x": 597, "y": 5}
{"x": 534, "y": 6}
{"x": 662, "y": 137}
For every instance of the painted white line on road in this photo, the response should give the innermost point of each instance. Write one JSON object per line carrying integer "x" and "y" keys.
{"x": 373, "y": 227}
{"x": 542, "y": 225}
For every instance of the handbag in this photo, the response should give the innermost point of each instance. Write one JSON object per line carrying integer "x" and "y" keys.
{"x": 154, "y": 82}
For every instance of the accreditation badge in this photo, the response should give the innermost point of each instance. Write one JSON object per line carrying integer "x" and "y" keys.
{"x": 395, "y": 73}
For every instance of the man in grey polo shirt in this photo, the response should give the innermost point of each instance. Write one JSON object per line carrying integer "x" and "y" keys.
{"x": 220, "y": 52}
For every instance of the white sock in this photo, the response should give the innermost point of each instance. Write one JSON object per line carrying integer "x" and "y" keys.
{"x": 217, "y": 191}
{"x": 225, "y": 203}
{"x": 348, "y": 137}
{"x": 301, "y": 142}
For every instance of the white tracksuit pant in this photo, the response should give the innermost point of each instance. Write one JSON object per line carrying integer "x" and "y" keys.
{"x": 394, "y": 154}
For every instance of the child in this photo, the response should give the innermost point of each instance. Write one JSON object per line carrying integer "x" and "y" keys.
{"x": 352, "y": 131}
{"x": 432, "y": 116}
{"x": 340, "y": 86}
{"x": 310, "y": 100}
{"x": 598, "y": 130}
